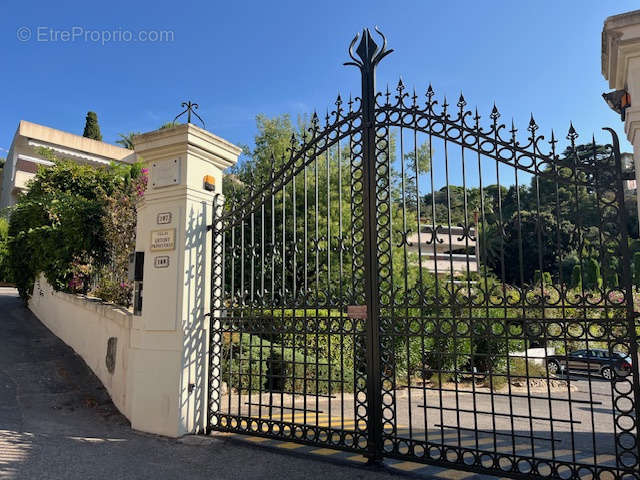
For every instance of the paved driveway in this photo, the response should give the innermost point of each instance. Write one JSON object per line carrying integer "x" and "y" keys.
{"x": 57, "y": 422}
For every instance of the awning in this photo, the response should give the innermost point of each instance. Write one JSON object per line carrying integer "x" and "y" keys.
{"x": 70, "y": 153}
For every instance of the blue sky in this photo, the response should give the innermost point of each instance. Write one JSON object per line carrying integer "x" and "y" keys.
{"x": 238, "y": 59}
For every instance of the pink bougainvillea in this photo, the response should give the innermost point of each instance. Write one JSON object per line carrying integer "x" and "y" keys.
{"x": 120, "y": 233}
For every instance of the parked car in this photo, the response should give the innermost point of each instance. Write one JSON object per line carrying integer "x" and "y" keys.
{"x": 589, "y": 361}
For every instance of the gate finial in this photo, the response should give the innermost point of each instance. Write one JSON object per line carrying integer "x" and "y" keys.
{"x": 368, "y": 51}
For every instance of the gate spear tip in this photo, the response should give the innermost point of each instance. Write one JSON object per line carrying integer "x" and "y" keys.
{"x": 430, "y": 91}
{"x": 495, "y": 114}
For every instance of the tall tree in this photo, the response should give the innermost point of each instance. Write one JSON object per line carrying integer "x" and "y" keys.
{"x": 91, "y": 127}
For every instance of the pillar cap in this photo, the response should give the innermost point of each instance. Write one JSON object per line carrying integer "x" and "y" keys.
{"x": 620, "y": 42}
{"x": 186, "y": 137}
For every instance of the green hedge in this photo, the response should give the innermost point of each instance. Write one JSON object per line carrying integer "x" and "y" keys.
{"x": 290, "y": 340}
{"x": 283, "y": 366}
{"x": 5, "y": 272}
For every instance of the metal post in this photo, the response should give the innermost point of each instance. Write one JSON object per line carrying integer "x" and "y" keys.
{"x": 370, "y": 55}
{"x": 214, "y": 377}
{"x": 627, "y": 283}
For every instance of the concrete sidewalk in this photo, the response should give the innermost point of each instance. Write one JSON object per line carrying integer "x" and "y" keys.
{"x": 57, "y": 422}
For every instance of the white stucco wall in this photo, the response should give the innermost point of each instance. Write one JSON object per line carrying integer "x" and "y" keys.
{"x": 86, "y": 325}
{"x": 160, "y": 380}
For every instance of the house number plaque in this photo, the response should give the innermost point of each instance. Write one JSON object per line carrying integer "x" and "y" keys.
{"x": 164, "y": 218}
{"x": 161, "y": 262}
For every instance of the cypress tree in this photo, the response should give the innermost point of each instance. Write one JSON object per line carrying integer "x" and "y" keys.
{"x": 576, "y": 276}
{"x": 592, "y": 277}
{"x": 636, "y": 270}
{"x": 91, "y": 127}
{"x": 545, "y": 277}
{"x": 610, "y": 274}
{"x": 537, "y": 277}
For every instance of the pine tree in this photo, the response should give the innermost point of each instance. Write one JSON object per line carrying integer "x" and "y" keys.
{"x": 91, "y": 127}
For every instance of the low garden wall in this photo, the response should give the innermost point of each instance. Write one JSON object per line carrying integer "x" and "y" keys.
{"x": 98, "y": 332}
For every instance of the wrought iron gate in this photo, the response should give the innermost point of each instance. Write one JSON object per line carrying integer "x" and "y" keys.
{"x": 406, "y": 281}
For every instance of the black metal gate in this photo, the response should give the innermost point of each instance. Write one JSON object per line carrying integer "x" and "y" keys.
{"x": 408, "y": 282}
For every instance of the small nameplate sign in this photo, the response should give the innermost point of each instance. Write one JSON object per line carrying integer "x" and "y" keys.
{"x": 161, "y": 261}
{"x": 165, "y": 173}
{"x": 163, "y": 240}
{"x": 164, "y": 218}
{"x": 357, "y": 311}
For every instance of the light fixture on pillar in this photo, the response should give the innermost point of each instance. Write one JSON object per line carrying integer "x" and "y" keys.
{"x": 618, "y": 101}
{"x": 209, "y": 183}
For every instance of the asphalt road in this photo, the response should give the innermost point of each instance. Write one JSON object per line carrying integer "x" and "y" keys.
{"x": 57, "y": 422}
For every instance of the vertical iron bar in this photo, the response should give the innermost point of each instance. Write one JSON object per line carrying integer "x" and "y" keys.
{"x": 306, "y": 290}
{"x": 242, "y": 307}
{"x": 328, "y": 294}
{"x": 283, "y": 302}
{"x": 317, "y": 283}
{"x": 340, "y": 272}
{"x": 294, "y": 281}
{"x": 233, "y": 307}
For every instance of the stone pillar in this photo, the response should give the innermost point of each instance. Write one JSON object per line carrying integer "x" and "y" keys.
{"x": 167, "y": 378}
{"x": 621, "y": 67}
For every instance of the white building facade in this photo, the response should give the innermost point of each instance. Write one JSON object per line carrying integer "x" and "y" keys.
{"x": 25, "y": 156}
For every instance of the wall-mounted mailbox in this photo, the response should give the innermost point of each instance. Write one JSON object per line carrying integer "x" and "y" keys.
{"x": 135, "y": 275}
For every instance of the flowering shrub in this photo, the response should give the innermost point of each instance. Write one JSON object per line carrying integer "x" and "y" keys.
{"x": 120, "y": 234}
{"x": 111, "y": 289}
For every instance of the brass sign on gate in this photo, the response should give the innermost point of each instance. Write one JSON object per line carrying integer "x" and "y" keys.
{"x": 357, "y": 311}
